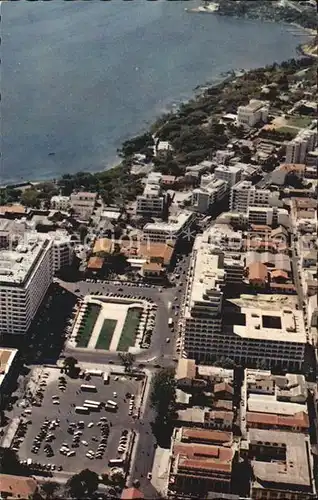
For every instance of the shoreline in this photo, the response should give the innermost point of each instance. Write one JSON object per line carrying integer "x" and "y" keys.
{"x": 195, "y": 94}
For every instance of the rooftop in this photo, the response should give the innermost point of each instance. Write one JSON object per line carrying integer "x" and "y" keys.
{"x": 95, "y": 263}
{"x": 277, "y": 261}
{"x": 300, "y": 420}
{"x": 269, "y": 317}
{"x": 186, "y": 369}
{"x": 261, "y": 403}
{"x": 6, "y": 358}
{"x": 214, "y": 436}
{"x": 294, "y": 472}
{"x": 17, "y": 486}
{"x": 201, "y": 416}
{"x": 84, "y": 194}
{"x": 14, "y": 209}
{"x": 16, "y": 265}
{"x": 208, "y": 276}
{"x": 257, "y": 271}
{"x": 174, "y": 224}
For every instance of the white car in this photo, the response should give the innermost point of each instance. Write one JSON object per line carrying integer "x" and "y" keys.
{"x": 56, "y": 401}
{"x": 85, "y": 443}
{"x": 88, "y": 455}
{"x": 91, "y": 424}
{"x": 149, "y": 475}
{"x": 115, "y": 394}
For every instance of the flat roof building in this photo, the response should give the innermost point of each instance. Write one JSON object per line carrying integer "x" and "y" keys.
{"x": 281, "y": 464}
{"x": 178, "y": 226}
{"x": 26, "y": 273}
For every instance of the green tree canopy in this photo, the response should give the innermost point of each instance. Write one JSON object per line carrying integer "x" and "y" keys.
{"x": 83, "y": 484}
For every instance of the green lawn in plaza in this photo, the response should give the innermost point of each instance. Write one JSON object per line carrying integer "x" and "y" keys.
{"x": 300, "y": 121}
{"x": 88, "y": 324}
{"x": 106, "y": 334}
{"x": 129, "y": 331}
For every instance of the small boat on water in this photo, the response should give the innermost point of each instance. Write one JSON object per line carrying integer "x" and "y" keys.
{"x": 206, "y": 8}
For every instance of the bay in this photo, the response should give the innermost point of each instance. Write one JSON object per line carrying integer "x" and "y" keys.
{"x": 78, "y": 78}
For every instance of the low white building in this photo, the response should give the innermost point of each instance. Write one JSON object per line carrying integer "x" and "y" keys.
{"x": 60, "y": 202}
{"x": 252, "y": 113}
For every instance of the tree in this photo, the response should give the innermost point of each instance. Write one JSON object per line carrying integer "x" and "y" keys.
{"x": 69, "y": 364}
{"x": 127, "y": 359}
{"x": 83, "y": 484}
{"x": 30, "y": 198}
{"x": 163, "y": 395}
{"x": 50, "y": 488}
{"x": 9, "y": 461}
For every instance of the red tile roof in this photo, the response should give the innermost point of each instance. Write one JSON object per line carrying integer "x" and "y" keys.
{"x": 257, "y": 271}
{"x": 208, "y": 465}
{"x": 223, "y": 386}
{"x": 278, "y": 273}
{"x": 206, "y": 435}
{"x": 298, "y": 420}
{"x": 17, "y": 486}
{"x": 132, "y": 494}
{"x": 95, "y": 263}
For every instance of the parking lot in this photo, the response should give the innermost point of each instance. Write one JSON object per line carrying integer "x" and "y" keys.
{"x": 56, "y": 426}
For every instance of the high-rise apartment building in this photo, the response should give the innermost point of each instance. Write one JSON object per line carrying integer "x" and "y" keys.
{"x": 26, "y": 273}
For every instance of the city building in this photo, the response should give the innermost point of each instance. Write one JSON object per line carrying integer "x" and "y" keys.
{"x": 8, "y": 370}
{"x": 262, "y": 329}
{"x": 244, "y": 195}
{"x": 83, "y": 204}
{"x": 62, "y": 249}
{"x": 223, "y": 156}
{"x": 17, "y": 487}
{"x": 112, "y": 214}
{"x": 209, "y": 193}
{"x": 203, "y": 301}
{"x": 280, "y": 173}
{"x": 204, "y": 417}
{"x": 178, "y": 226}
{"x": 255, "y": 329}
{"x": 153, "y": 201}
{"x": 290, "y": 387}
{"x": 282, "y": 465}
{"x": 268, "y": 216}
{"x": 59, "y": 202}
{"x": 252, "y": 113}
{"x": 303, "y": 143}
{"x": 26, "y": 273}
{"x": 201, "y": 460}
{"x": 231, "y": 174}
